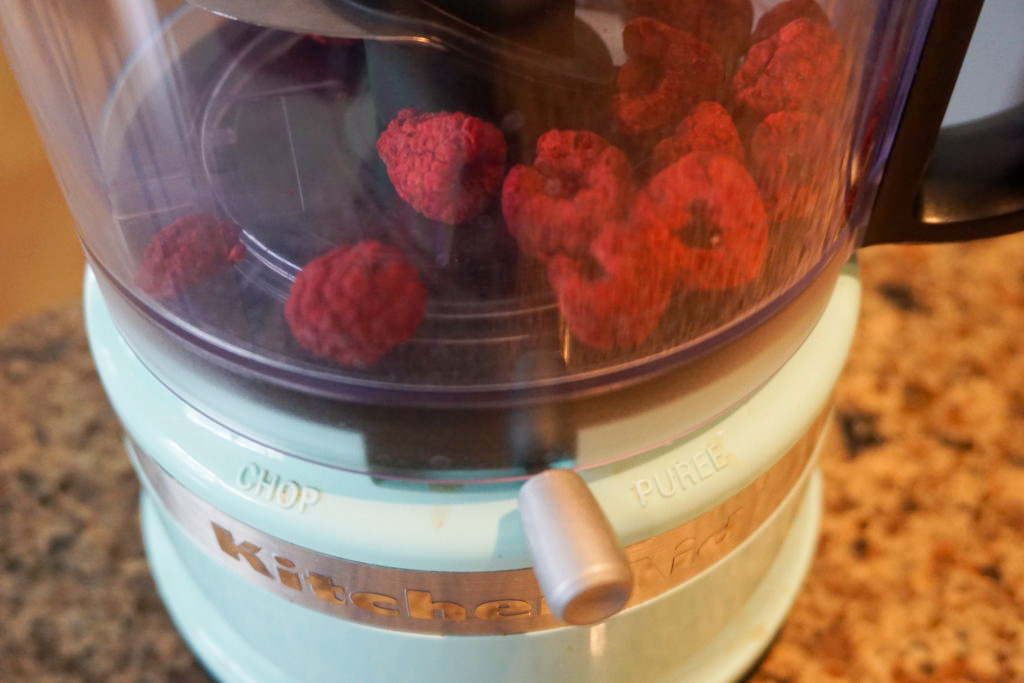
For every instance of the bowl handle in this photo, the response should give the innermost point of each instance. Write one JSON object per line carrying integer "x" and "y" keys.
{"x": 969, "y": 178}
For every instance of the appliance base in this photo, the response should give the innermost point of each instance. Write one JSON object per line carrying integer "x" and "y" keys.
{"x": 729, "y": 656}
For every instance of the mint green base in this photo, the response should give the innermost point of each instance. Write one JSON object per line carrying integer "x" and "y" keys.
{"x": 710, "y": 628}
{"x": 366, "y": 654}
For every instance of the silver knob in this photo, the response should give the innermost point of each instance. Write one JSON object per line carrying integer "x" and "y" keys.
{"x": 579, "y": 563}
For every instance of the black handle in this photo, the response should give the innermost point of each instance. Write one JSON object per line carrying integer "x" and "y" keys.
{"x": 974, "y": 185}
{"x": 958, "y": 183}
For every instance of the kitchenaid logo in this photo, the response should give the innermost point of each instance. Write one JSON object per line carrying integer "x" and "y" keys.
{"x": 658, "y": 564}
{"x": 682, "y": 474}
{"x": 411, "y": 604}
{"x": 472, "y": 603}
{"x": 668, "y": 560}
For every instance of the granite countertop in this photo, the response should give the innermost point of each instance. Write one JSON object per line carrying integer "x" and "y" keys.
{"x": 919, "y": 575}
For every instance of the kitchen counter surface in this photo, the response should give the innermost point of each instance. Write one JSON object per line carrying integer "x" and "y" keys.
{"x": 919, "y": 574}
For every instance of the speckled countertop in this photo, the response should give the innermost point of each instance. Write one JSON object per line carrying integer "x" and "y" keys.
{"x": 920, "y": 571}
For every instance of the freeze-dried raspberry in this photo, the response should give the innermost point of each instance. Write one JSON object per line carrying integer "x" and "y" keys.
{"x": 639, "y": 244}
{"x": 185, "y": 252}
{"x": 355, "y": 303}
{"x": 789, "y": 157}
{"x": 708, "y": 128}
{"x": 620, "y": 306}
{"x": 799, "y": 67}
{"x": 722, "y": 24}
{"x": 711, "y": 205}
{"x": 447, "y": 166}
{"x": 785, "y": 12}
{"x": 668, "y": 71}
{"x": 577, "y": 182}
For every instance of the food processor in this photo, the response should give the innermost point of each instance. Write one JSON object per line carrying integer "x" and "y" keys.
{"x": 458, "y": 340}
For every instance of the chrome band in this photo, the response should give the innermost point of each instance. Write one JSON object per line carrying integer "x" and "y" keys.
{"x": 464, "y": 603}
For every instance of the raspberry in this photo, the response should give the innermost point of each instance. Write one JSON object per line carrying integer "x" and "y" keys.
{"x": 711, "y": 205}
{"x": 799, "y": 67}
{"x": 355, "y": 303}
{"x": 558, "y": 205}
{"x": 722, "y": 24}
{"x": 708, "y": 128}
{"x": 185, "y": 252}
{"x": 446, "y": 166}
{"x": 788, "y": 158}
{"x": 785, "y": 12}
{"x": 668, "y": 71}
{"x": 621, "y": 307}
{"x": 642, "y": 246}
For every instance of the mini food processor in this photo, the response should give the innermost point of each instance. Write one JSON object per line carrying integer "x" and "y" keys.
{"x": 460, "y": 340}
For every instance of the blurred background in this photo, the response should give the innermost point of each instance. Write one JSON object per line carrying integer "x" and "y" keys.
{"x": 41, "y": 259}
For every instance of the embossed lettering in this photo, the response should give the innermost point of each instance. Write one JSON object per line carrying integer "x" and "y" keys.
{"x": 376, "y": 603}
{"x": 645, "y": 570}
{"x": 642, "y": 488}
{"x": 310, "y": 497}
{"x": 718, "y": 455}
{"x": 670, "y": 487}
{"x": 288, "y": 493}
{"x": 290, "y": 579}
{"x": 422, "y": 606}
{"x": 684, "y": 554}
{"x": 683, "y": 473}
{"x": 722, "y": 534}
{"x": 503, "y": 609}
{"x": 248, "y": 475}
{"x": 324, "y": 588}
{"x": 705, "y": 469}
{"x": 237, "y": 551}
{"x": 266, "y": 484}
